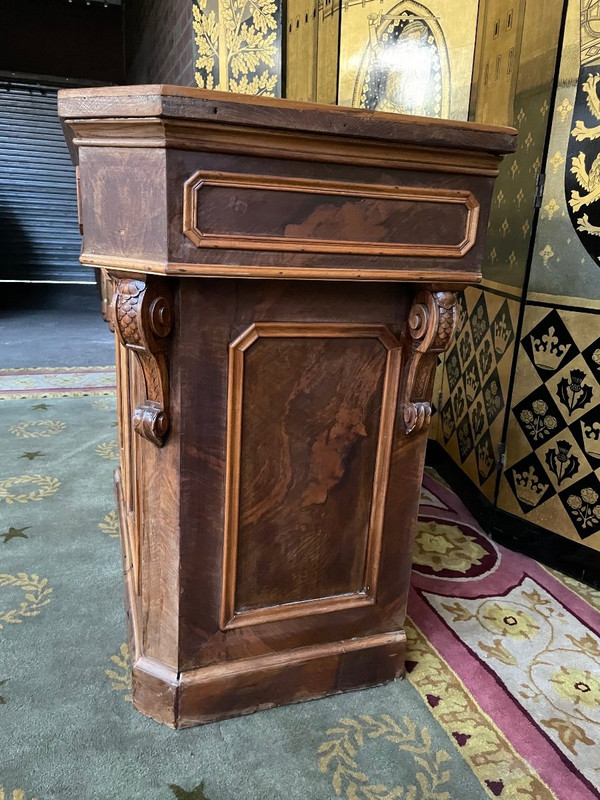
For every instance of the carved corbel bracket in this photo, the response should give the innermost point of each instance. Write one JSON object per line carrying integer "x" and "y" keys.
{"x": 142, "y": 316}
{"x": 431, "y": 323}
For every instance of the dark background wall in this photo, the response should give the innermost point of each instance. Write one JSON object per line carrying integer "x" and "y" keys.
{"x": 61, "y": 39}
{"x": 159, "y": 43}
{"x": 46, "y": 45}
{"x": 141, "y": 41}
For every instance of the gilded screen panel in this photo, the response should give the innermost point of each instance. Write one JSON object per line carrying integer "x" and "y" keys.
{"x": 567, "y": 250}
{"x": 301, "y": 49}
{"x": 238, "y": 45}
{"x": 497, "y": 56}
{"x": 408, "y": 57}
{"x": 328, "y": 46}
{"x": 474, "y": 384}
{"x": 312, "y": 44}
{"x": 553, "y": 441}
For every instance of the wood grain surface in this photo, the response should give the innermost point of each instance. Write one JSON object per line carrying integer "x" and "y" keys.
{"x": 284, "y": 278}
{"x": 178, "y": 102}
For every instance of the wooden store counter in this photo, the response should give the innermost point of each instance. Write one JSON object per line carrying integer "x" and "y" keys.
{"x": 283, "y": 277}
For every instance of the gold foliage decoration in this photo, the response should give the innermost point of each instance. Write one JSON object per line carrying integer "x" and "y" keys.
{"x": 16, "y": 794}
{"x": 206, "y": 37}
{"x": 591, "y": 596}
{"x": 120, "y": 677}
{"x": 236, "y": 45}
{"x": 46, "y": 486}
{"x": 37, "y": 595}
{"x": 37, "y": 428}
{"x": 108, "y": 450}
{"x": 110, "y": 524}
{"x": 570, "y": 734}
{"x": 339, "y": 751}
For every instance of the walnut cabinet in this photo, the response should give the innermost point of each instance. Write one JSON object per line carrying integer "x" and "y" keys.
{"x": 283, "y": 279}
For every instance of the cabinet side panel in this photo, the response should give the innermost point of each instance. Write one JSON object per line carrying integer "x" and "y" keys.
{"x": 123, "y": 202}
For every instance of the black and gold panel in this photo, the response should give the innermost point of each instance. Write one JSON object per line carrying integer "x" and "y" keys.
{"x": 553, "y": 442}
{"x": 565, "y": 261}
{"x": 516, "y": 60}
{"x": 552, "y": 475}
{"x": 582, "y": 180}
{"x": 238, "y": 45}
{"x": 475, "y": 378}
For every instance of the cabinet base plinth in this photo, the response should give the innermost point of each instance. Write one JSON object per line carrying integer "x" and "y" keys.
{"x": 241, "y": 687}
{"x": 234, "y": 688}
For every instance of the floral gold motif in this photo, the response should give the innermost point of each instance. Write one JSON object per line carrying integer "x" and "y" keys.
{"x": 551, "y": 208}
{"x": 109, "y": 450}
{"x": 37, "y": 428}
{"x": 585, "y": 507}
{"x": 37, "y": 595}
{"x": 483, "y": 746}
{"x": 508, "y": 621}
{"x": 546, "y": 253}
{"x": 339, "y": 751}
{"x": 569, "y": 733}
{"x": 16, "y": 794}
{"x": 579, "y": 685}
{"x": 446, "y": 547}
{"x": 556, "y": 160}
{"x": 46, "y": 486}
{"x": 110, "y": 524}
{"x": 537, "y": 421}
{"x": 564, "y": 108}
{"x": 120, "y": 677}
{"x": 236, "y": 46}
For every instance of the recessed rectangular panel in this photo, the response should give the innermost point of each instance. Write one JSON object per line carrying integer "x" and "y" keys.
{"x": 310, "y": 424}
{"x": 310, "y": 417}
{"x": 308, "y": 215}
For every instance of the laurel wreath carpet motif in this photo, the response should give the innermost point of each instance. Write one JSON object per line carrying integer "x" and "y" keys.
{"x": 492, "y": 706}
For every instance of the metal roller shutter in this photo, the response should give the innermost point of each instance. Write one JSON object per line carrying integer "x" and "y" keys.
{"x": 39, "y": 234}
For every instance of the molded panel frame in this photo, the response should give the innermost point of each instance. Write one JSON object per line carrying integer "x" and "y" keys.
{"x": 232, "y": 618}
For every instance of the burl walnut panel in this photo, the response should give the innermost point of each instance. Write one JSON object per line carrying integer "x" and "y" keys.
{"x": 308, "y": 215}
{"x": 283, "y": 279}
{"x": 310, "y": 424}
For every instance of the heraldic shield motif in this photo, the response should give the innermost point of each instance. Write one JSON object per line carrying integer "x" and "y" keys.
{"x": 582, "y": 177}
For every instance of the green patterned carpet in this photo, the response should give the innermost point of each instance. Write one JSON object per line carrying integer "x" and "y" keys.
{"x": 69, "y": 731}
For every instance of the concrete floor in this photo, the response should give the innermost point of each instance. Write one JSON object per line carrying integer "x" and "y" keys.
{"x": 45, "y": 325}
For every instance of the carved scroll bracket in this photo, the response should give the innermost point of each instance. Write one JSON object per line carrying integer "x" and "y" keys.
{"x": 142, "y": 315}
{"x": 430, "y": 326}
